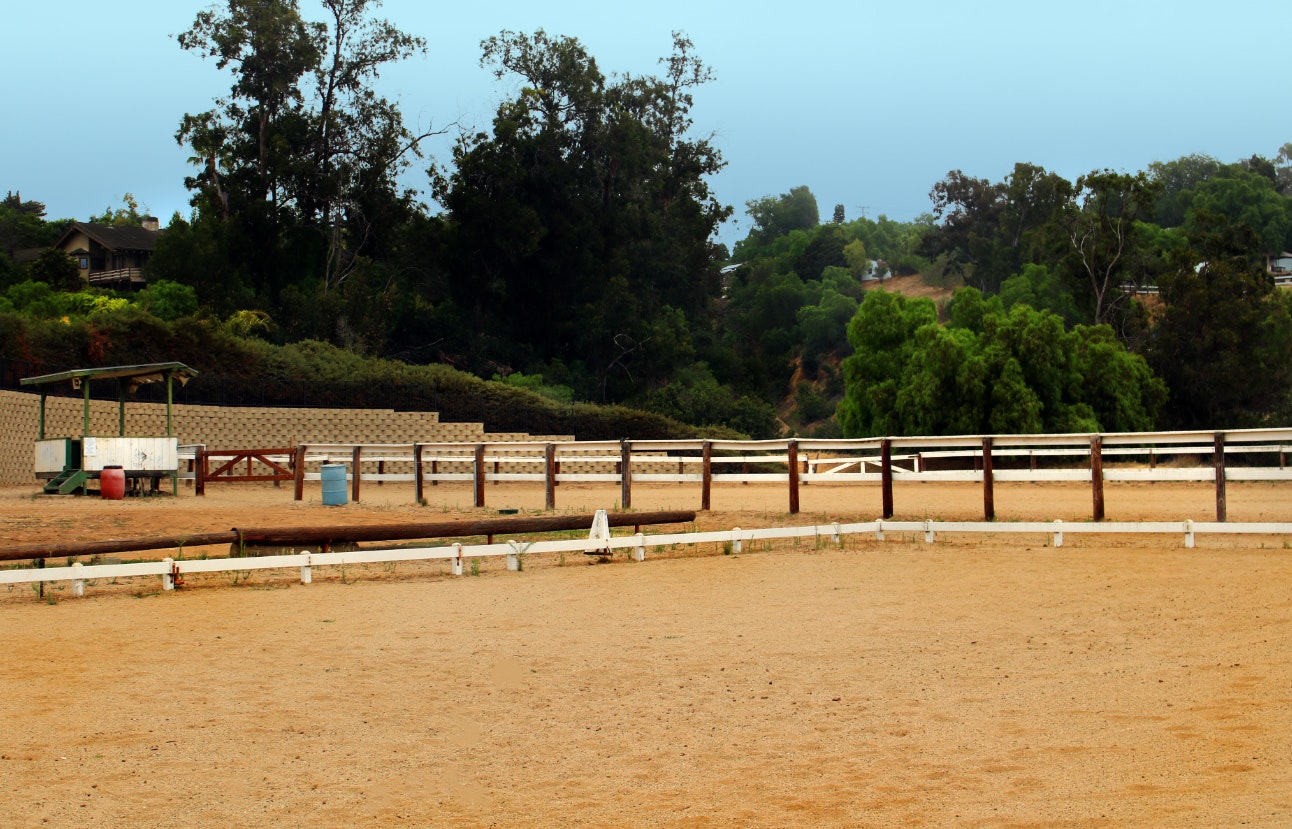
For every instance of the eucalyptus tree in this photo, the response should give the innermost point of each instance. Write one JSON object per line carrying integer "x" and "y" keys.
{"x": 582, "y": 220}
{"x": 301, "y": 156}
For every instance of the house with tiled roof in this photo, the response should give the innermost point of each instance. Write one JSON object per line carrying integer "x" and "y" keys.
{"x": 109, "y": 256}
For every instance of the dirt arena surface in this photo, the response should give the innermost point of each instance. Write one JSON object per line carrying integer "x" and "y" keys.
{"x": 976, "y": 681}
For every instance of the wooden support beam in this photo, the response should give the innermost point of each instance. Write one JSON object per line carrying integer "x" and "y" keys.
{"x": 793, "y": 457}
{"x": 625, "y": 474}
{"x": 988, "y": 482}
{"x": 199, "y": 471}
{"x": 298, "y": 472}
{"x": 549, "y": 475}
{"x": 480, "y": 474}
{"x": 1218, "y": 460}
{"x": 706, "y": 475}
{"x": 886, "y": 476}
{"x": 355, "y": 460}
{"x": 1097, "y": 476}
{"x": 418, "y": 484}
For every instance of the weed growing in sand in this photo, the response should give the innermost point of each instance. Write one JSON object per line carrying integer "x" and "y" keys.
{"x": 726, "y": 548}
{"x": 475, "y": 566}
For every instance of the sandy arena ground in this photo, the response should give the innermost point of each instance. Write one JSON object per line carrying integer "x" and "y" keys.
{"x": 972, "y": 682}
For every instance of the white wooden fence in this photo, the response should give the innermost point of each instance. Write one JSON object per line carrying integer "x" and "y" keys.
{"x": 601, "y": 539}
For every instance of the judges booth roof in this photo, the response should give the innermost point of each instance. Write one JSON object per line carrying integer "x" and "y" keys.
{"x": 136, "y": 375}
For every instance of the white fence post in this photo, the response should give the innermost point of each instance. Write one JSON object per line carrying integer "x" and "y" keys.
{"x": 836, "y": 535}
{"x": 457, "y": 559}
{"x": 513, "y": 558}
{"x": 928, "y": 531}
{"x": 307, "y": 574}
{"x": 879, "y": 529}
{"x": 599, "y": 535}
{"x": 1188, "y": 534}
{"x": 639, "y": 550}
{"x": 1058, "y": 533}
{"x": 78, "y": 584}
{"x": 736, "y": 544}
{"x": 168, "y": 578}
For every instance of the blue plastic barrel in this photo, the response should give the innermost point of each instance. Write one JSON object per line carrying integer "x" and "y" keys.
{"x": 333, "y": 476}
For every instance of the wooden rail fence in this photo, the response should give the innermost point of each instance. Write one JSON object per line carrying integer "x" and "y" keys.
{"x": 1215, "y": 457}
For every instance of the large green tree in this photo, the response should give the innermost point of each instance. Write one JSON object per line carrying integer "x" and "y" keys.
{"x": 1223, "y": 338}
{"x": 1099, "y": 225}
{"x": 584, "y": 218}
{"x": 300, "y": 159}
{"x": 987, "y": 230}
{"x": 988, "y": 371}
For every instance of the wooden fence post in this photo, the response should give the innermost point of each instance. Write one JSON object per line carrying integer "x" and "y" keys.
{"x": 1097, "y": 475}
{"x": 199, "y": 471}
{"x": 417, "y": 473}
{"x": 480, "y": 474}
{"x": 988, "y": 482}
{"x": 298, "y": 471}
{"x": 706, "y": 475}
{"x": 355, "y": 456}
{"x": 549, "y": 474}
{"x": 625, "y": 474}
{"x": 1218, "y": 459}
{"x": 792, "y": 455}
{"x": 886, "y": 476}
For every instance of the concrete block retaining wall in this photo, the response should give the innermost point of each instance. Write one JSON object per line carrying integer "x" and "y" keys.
{"x": 219, "y": 427}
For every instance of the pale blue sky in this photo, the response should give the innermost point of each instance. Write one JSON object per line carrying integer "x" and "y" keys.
{"x": 868, "y": 104}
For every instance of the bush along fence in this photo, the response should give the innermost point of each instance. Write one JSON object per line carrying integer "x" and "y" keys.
{"x": 601, "y": 542}
{"x": 1215, "y": 457}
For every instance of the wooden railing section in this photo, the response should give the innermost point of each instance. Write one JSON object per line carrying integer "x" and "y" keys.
{"x": 1214, "y": 457}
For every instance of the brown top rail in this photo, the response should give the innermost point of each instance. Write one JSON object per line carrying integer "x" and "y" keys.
{"x": 323, "y": 536}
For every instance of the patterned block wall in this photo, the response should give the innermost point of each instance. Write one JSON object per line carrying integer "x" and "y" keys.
{"x": 218, "y": 427}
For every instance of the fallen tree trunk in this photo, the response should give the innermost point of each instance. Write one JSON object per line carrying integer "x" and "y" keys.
{"x": 324, "y": 536}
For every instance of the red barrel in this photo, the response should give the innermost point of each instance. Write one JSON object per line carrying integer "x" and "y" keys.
{"x": 112, "y": 483}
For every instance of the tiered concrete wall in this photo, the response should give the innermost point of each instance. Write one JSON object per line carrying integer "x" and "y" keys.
{"x": 218, "y": 427}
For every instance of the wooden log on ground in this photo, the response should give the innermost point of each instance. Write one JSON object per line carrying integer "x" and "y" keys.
{"x": 288, "y": 536}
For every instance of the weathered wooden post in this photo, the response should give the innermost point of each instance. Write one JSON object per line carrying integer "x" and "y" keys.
{"x": 1218, "y": 459}
{"x": 480, "y": 474}
{"x": 355, "y": 455}
{"x": 418, "y": 484}
{"x": 886, "y": 476}
{"x": 706, "y": 475}
{"x": 1097, "y": 475}
{"x": 549, "y": 474}
{"x": 298, "y": 472}
{"x": 199, "y": 471}
{"x": 988, "y": 483}
{"x": 625, "y": 474}
{"x": 792, "y": 452}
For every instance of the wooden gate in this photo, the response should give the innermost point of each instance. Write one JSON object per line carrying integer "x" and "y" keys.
{"x": 239, "y": 466}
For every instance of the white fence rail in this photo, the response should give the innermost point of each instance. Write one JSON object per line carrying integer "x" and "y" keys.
{"x": 1218, "y": 457}
{"x": 600, "y": 539}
